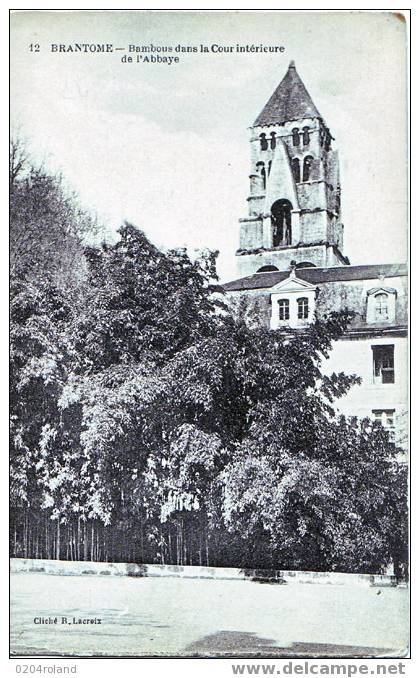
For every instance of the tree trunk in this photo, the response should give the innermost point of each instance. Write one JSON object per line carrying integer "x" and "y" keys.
{"x": 57, "y": 550}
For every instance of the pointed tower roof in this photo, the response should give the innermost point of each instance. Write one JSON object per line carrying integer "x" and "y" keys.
{"x": 290, "y": 101}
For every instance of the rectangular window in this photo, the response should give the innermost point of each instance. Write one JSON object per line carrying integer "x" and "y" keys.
{"x": 381, "y": 307}
{"x": 303, "y": 308}
{"x": 387, "y": 419}
{"x": 383, "y": 364}
{"x": 284, "y": 309}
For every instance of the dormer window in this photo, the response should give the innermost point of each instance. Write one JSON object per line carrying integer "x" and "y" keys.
{"x": 303, "y": 308}
{"x": 292, "y": 303}
{"x": 295, "y": 136}
{"x": 284, "y": 309}
{"x": 381, "y": 306}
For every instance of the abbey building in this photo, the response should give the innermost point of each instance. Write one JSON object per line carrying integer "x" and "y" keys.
{"x": 290, "y": 261}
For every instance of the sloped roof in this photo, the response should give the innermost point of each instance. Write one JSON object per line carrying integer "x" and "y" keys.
{"x": 290, "y": 101}
{"x": 318, "y": 275}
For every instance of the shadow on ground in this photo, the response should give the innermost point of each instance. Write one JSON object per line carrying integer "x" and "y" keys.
{"x": 243, "y": 645}
{"x": 232, "y": 643}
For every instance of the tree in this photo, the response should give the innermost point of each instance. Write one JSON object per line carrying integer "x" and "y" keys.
{"x": 47, "y": 225}
{"x": 322, "y": 510}
{"x": 145, "y": 304}
{"x": 47, "y": 281}
{"x": 153, "y": 423}
{"x": 306, "y": 489}
{"x": 18, "y": 160}
{"x": 233, "y": 440}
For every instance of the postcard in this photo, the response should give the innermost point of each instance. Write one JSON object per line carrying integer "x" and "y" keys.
{"x": 208, "y": 275}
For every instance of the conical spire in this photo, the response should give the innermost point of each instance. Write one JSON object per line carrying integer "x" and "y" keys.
{"x": 290, "y": 101}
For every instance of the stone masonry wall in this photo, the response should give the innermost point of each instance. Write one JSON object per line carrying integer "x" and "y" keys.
{"x": 72, "y": 568}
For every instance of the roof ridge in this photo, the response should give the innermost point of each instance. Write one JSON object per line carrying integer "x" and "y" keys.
{"x": 323, "y": 274}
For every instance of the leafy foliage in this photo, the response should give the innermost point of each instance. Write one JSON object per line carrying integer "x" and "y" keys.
{"x": 150, "y": 421}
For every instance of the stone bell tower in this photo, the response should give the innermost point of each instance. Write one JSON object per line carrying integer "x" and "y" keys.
{"x": 294, "y": 200}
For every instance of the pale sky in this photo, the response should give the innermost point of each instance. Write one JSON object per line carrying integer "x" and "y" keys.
{"x": 166, "y": 146}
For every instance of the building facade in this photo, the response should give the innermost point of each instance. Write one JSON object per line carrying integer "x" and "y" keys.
{"x": 291, "y": 264}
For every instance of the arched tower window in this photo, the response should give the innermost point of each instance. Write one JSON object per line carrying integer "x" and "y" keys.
{"x": 303, "y": 308}
{"x": 296, "y": 169}
{"x": 261, "y": 171}
{"x": 305, "y": 136}
{"x": 295, "y": 136}
{"x": 307, "y": 166}
{"x": 269, "y": 167}
{"x": 263, "y": 142}
{"x": 281, "y": 221}
{"x": 264, "y": 178}
{"x": 272, "y": 140}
